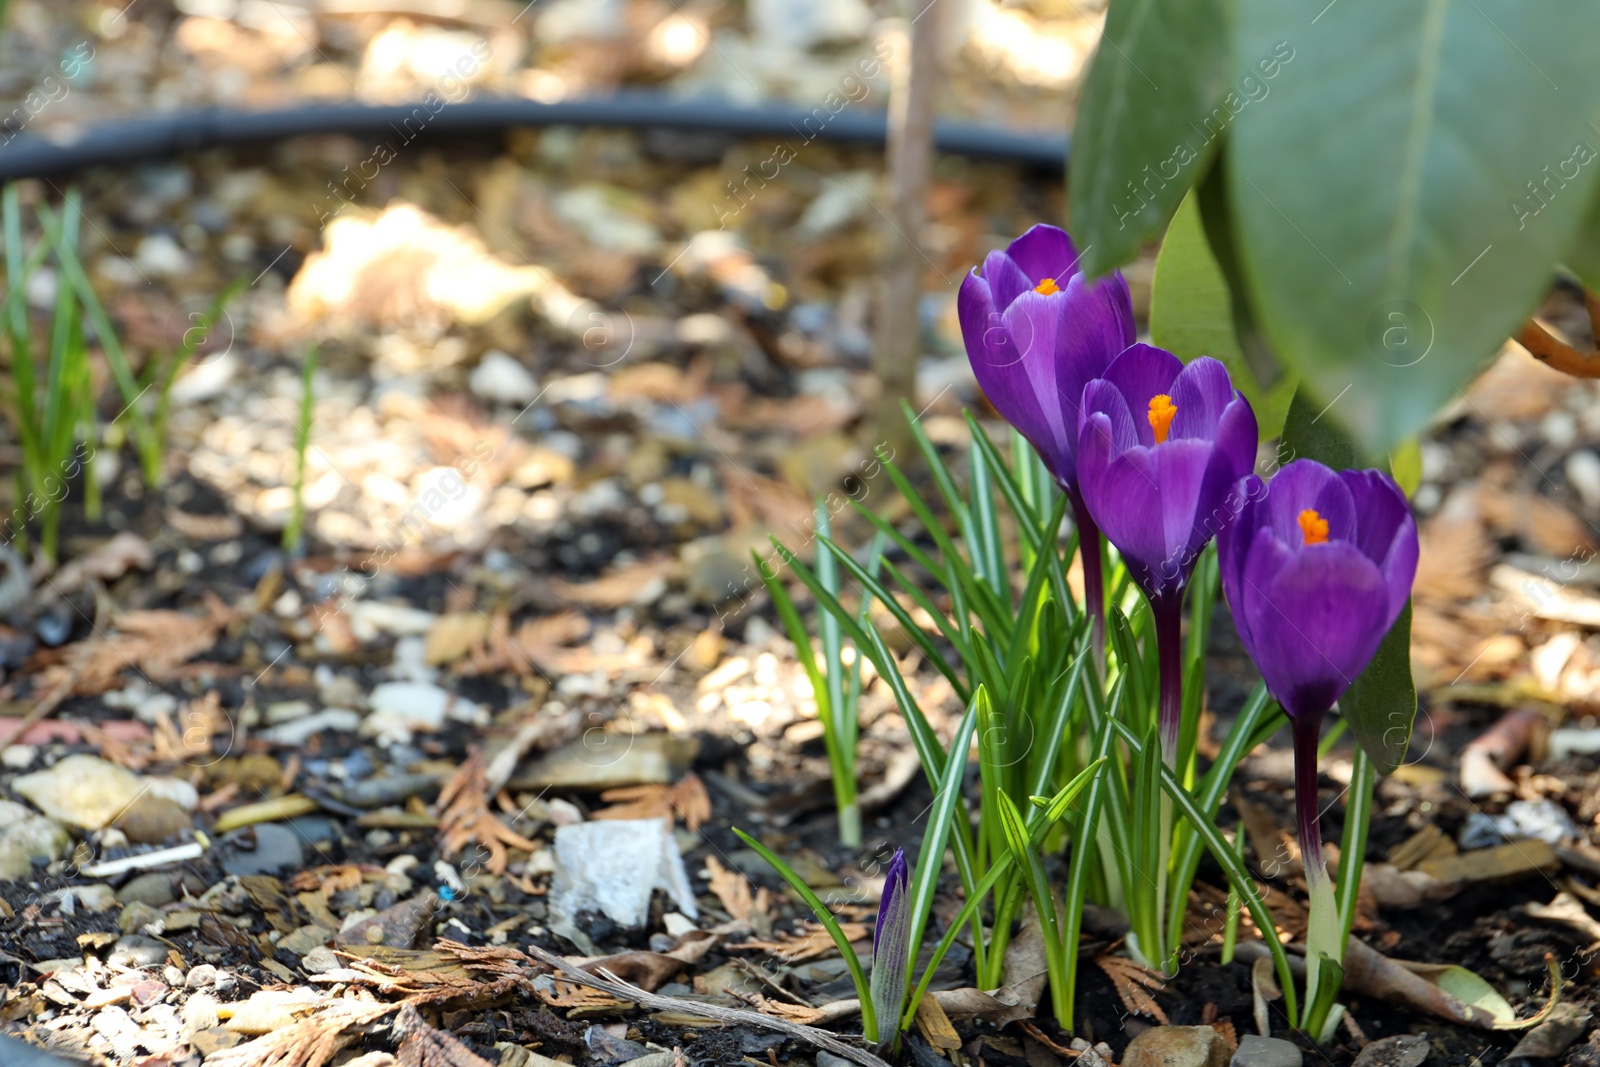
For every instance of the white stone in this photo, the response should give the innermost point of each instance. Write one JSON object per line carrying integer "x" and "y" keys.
{"x": 160, "y": 254}
{"x": 501, "y": 379}
{"x": 678, "y": 924}
{"x": 89, "y": 792}
{"x": 400, "y": 709}
{"x": 612, "y": 866}
{"x": 396, "y": 620}
{"x": 1583, "y": 474}
{"x": 26, "y": 836}
{"x": 299, "y": 731}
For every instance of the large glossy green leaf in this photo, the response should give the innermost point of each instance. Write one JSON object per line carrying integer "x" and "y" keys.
{"x": 1155, "y": 104}
{"x": 1191, "y": 315}
{"x": 1584, "y": 255}
{"x": 1382, "y": 702}
{"x": 1385, "y": 193}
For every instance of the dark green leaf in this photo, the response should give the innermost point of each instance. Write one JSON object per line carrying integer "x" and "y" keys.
{"x": 1404, "y": 192}
{"x": 1309, "y": 433}
{"x": 1584, "y": 255}
{"x": 1151, "y": 115}
{"x": 1382, "y": 702}
{"x": 1191, "y": 315}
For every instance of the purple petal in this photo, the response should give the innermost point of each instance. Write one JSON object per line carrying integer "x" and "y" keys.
{"x": 1091, "y": 336}
{"x": 1005, "y": 377}
{"x": 1034, "y": 322}
{"x": 891, "y": 947}
{"x": 1200, "y": 392}
{"x": 1100, "y": 397}
{"x": 1121, "y": 491}
{"x": 1237, "y": 438}
{"x": 1315, "y": 618}
{"x": 1006, "y": 279}
{"x": 1188, "y": 491}
{"x": 1234, "y": 540}
{"x": 1388, "y": 532}
{"x": 1045, "y": 252}
{"x": 894, "y": 885}
{"x": 1141, "y": 373}
{"x": 1306, "y": 484}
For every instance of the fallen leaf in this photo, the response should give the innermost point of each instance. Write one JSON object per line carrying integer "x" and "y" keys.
{"x": 620, "y": 586}
{"x": 686, "y": 800}
{"x": 733, "y": 890}
{"x": 465, "y": 817}
{"x": 423, "y": 1046}
{"x": 1134, "y": 983}
{"x": 110, "y": 561}
{"x": 811, "y": 941}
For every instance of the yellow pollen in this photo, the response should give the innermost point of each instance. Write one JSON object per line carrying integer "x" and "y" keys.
{"x": 1161, "y": 415}
{"x": 1047, "y": 287}
{"x": 1314, "y": 527}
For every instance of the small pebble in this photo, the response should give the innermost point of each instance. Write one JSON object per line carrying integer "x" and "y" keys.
{"x": 137, "y": 952}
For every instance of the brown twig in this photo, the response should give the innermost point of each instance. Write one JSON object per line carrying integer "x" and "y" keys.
{"x": 1553, "y": 352}
{"x": 655, "y": 1001}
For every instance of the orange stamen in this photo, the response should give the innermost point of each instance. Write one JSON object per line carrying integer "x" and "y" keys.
{"x": 1161, "y": 415}
{"x": 1314, "y": 527}
{"x": 1047, "y": 286}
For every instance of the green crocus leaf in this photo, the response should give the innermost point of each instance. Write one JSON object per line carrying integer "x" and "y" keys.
{"x": 1191, "y": 315}
{"x": 1381, "y": 703}
{"x": 1401, "y": 198}
{"x": 1155, "y": 105}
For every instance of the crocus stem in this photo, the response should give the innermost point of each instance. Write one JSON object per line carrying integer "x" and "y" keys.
{"x": 1306, "y": 730}
{"x": 1094, "y": 586}
{"x": 1168, "y": 611}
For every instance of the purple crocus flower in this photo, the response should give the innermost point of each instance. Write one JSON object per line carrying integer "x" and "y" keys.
{"x": 891, "y": 948}
{"x": 1037, "y": 332}
{"x": 1316, "y": 570}
{"x": 1162, "y": 446}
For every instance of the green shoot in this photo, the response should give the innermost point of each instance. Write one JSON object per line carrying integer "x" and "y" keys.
{"x": 302, "y": 439}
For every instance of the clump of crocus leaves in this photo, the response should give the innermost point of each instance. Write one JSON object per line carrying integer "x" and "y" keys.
{"x": 1156, "y": 457}
{"x": 1316, "y": 564}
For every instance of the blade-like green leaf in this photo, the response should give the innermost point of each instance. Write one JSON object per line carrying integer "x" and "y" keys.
{"x": 1155, "y": 104}
{"x": 925, "y": 882}
{"x": 1309, "y": 433}
{"x": 1403, "y": 195}
{"x": 1191, "y": 315}
{"x": 825, "y": 917}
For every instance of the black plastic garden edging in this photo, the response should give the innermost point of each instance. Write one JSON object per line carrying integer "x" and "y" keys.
{"x": 162, "y": 136}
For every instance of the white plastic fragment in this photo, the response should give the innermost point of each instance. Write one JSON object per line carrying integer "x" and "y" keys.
{"x": 612, "y": 866}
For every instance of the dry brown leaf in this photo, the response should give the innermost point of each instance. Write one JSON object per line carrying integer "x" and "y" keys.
{"x": 204, "y": 527}
{"x": 156, "y": 643}
{"x": 803, "y": 1014}
{"x": 465, "y": 817}
{"x": 110, "y": 561}
{"x": 811, "y": 942}
{"x": 620, "y": 586}
{"x": 423, "y": 1046}
{"x": 454, "y": 635}
{"x": 310, "y": 1042}
{"x": 198, "y": 722}
{"x": 1454, "y": 556}
{"x": 1134, "y": 983}
{"x": 333, "y": 878}
{"x": 572, "y": 995}
{"x": 733, "y": 889}
{"x": 686, "y": 800}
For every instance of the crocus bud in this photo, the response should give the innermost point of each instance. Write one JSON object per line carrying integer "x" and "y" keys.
{"x": 891, "y": 948}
